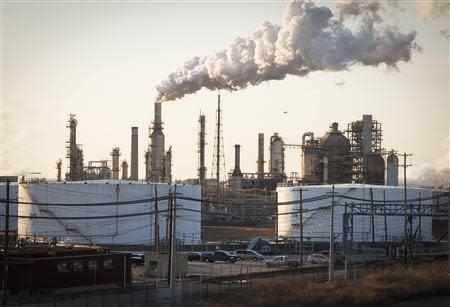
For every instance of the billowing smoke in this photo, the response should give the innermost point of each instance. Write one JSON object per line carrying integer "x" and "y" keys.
{"x": 432, "y": 177}
{"x": 309, "y": 39}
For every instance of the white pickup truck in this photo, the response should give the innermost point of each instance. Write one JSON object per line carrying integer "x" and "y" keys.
{"x": 282, "y": 261}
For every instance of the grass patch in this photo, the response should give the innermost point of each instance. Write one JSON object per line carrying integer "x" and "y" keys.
{"x": 376, "y": 289}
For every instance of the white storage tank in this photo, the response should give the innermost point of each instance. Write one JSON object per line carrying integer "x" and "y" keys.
{"x": 123, "y": 230}
{"x": 392, "y": 170}
{"x": 13, "y": 192}
{"x": 316, "y": 222}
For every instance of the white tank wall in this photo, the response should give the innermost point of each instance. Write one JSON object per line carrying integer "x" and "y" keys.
{"x": 13, "y": 189}
{"x": 130, "y": 230}
{"x": 316, "y": 223}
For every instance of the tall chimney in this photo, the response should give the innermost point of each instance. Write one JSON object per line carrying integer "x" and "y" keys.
{"x": 260, "y": 162}
{"x": 134, "y": 172}
{"x": 237, "y": 160}
{"x": 157, "y": 147}
{"x": 124, "y": 170}
{"x": 236, "y": 177}
{"x": 115, "y": 162}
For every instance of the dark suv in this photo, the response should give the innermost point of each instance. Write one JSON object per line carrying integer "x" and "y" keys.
{"x": 219, "y": 256}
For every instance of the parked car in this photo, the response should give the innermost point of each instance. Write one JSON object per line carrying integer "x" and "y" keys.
{"x": 248, "y": 254}
{"x": 138, "y": 258}
{"x": 338, "y": 256}
{"x": 219, "y": 256}
{"x": 317, "y": 258}
{"x": 282, "y": 261}
{"x": 194, "y": 256}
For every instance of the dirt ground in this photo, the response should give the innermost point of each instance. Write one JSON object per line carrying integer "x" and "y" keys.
{"x": 435, "y": 301}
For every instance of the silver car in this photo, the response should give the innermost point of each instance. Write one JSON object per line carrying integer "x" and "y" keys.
{"x": 317, "y": 258}
{"x": 247, "y": 254}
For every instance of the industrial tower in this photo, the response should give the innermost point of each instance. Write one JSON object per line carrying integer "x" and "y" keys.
{"x": 218, "y": 164}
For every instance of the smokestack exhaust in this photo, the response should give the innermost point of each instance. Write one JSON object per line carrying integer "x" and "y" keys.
{"x": 260, "y": 162}
{"x": 237, "y": 160}
{"x": 134, "y": 173}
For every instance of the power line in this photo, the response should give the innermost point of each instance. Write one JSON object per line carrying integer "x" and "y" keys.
{"x": 95, "y": 217}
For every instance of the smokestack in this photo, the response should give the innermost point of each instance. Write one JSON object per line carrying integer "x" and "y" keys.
{"x": 168, "y": 166}
{"x": 158, "y": 113}
{"x": 157, "y": 147}
{"x": 366, "y": 143}
{"x": 134, "y": 173}
{"x": 124, "y": 170}
{"x": 115, "y": 163}
{"x": 201, "y": 149}
{"x": 236, "y": 177}
{"x": 237, "y": 160}
{"x": 260, "y": 162}
{"x": 58, "y": 168}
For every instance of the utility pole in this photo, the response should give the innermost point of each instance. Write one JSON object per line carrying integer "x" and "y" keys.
{"x": 405, "y": 229}
{"x": 170, "y": 236}
{"x": 385, "y": 219}
{"x": 174, "y": 238}
{"x": 8, "y": 180}
{"x": 420, "y": 217}
{"x": 331, "y": 255}
{"x": 448, "y": 226}
{"x": 372, "y": 220}
{"x": 300, "y": 190}
{"x": 156, "y": 222}
{"x": 117, "y": 209}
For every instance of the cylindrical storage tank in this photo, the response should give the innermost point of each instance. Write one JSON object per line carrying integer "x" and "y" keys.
{"x": 316, "y": 215}
{"x": 276, "y": 156}
{"x": 310, "y": 163}
{"x": 125, "y": 223}
{"x": 375, "y": 169}
{"x": 392, "y": 170}
{"x": 337, "y": 148}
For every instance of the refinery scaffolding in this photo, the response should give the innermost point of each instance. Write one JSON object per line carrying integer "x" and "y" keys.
{"x": 74, "y": 152}
{"x": 201, "y": 150}
{"x": 363, "y": 144}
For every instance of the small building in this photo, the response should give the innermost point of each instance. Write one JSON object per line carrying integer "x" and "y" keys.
{"x": 53, "y": 268}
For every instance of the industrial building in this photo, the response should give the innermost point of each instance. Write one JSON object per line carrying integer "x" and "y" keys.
{"x": 348, "y": 227}
{"x": 158, "y": 161}
{"x": 357, "y": 157}
{"x": 138, "y": 228}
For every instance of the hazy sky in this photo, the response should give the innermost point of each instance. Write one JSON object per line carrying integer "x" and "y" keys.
{"x": 102, "y": 61}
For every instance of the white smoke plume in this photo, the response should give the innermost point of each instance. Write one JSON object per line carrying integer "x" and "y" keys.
{"x": 309, "y": 39}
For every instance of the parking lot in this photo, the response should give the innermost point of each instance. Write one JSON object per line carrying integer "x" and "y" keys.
{"x": 198, "y": 268}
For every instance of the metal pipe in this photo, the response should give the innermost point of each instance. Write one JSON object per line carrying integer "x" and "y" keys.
{"x": 310, "y": 134}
